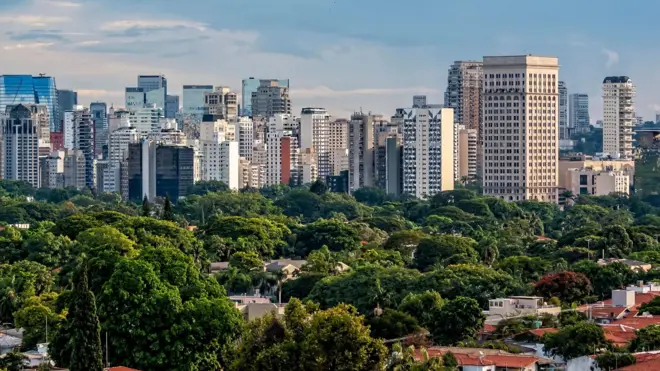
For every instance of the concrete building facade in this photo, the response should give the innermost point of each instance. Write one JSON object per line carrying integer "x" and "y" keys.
{"x": 618, "y": 116}
{"x": 521, "y": 122}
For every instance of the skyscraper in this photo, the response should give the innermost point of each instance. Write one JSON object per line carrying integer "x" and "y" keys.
{"x": 428, "y": 151}
{"x": 20, "y": 143}
{"x": 99, "y": 112}
{"x": 521, "y": 122}
{"x": 194, "y": 98}
{"x": 221, "y": 101}
{"x": 83, "y": 127}
{"x": 172, "y": 106}
{"x": 361, "y": 150}
{"x": 66, "y": 100}
{"x": 150, "y": 83}
{"x": 270, "y": 98}
{"x": 26, "y": 89}
{"x": 463, "y": 94}
{"x": 618, "y": 116}
{"x": 251, "y": 85}
{"x": 314, "y": 134}
{"x": 578, "y": 108}
{"x": 282, "y": 150}
{"x": 564, "y": 129}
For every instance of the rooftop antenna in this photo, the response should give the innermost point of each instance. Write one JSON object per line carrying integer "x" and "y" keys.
{"x": 42, "y": 74}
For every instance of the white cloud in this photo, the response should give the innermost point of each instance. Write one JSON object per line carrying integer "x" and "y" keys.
{"x": 36, "y": 45}
{"x": 151, "y": 24}
{"x": 32, "y": 20}
{"x": 612, "y": 57}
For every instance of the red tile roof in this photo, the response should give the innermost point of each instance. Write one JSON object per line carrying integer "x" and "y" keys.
{"x": 645, "y": 362}
{"x": 489, "y": 329}
{"x": 475, "y": 359}
{"x": 539, "y": 332}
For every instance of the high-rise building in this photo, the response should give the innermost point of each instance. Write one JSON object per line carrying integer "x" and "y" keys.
{"x": 282, "y": 150}
{"x": 150, "y": 83}
{"x": 147, "y": 120}
{"x": 383, "y": 134}
{"x": 428, "y": 151}
{"x": 361, "y": 150}
{"x": 245, "y": 130}
{"x": 83, "y": 141}
{"x": 578, "y": 107}
{"x": 221, "y": 101}
{"x": 220, "y": 151}
{"x": 159, "y": 170}
{"x": 250, "y": 86}
{"x": 270, "y": 98}
{"x": 52, "y": 170}
{"x": 99, "y": 112}
{"x": 463, "y": 94}
{"x": 74, "y": 169}
{"x": 521, "y": 141}
{"x": 172, "y": 106}
{"x": 66, "y": 100}
{"x": 314, "y": 133}
{"x": 20, "y": 143}
{"x": 193, "y": 99}
{"x": 135, "y": 98}
{"x": 618, "y": 116}
{"x": 564, "y": 128}
{"x": 393, "y": 166}
{"x": 119, "y": 141}
{"x": 26, "y": 89}
{"x": 467, "y": 154}
{"x": 338, "y": 145}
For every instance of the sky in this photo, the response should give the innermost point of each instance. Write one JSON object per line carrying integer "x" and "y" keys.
{"x": 343, "y": 55}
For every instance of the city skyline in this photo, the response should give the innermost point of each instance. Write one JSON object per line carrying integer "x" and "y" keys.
{"x": 341, "y": 66}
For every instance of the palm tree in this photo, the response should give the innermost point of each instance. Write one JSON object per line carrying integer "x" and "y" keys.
{"x": 568, "y": 196}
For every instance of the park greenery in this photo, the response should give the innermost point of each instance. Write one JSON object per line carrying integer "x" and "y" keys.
{"x": 94, "y": 266}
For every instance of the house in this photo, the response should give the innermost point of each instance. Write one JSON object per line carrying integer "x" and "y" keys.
{"x": 9, "y": 343}
{"x": 634, "y": 265}
{"x": 514, "y": 306}
{"x": 477, "y": 359}
{"x": 288, "y": 266}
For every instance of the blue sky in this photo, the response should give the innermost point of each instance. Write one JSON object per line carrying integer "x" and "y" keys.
{"x": 342, "y": 55}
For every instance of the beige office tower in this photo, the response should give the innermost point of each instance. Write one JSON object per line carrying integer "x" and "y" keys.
{"x": 222, "y": 101}
{"x": 618, "y": 116}
{"x": 467, "y": 154}
{"x": 463, "y": 94}
{"x": 520, "y": 127}
{"x": 338, "y": 145}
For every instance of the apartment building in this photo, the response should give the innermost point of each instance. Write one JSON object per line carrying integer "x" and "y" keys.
{"x": 618, "y": 116}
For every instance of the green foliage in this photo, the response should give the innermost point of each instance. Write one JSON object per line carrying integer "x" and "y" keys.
{"x": 13, "y": 361}
{"x": 647, "y": 339}
{"x": 575, "y": 341}
{"x": 444, "y": 250}
{"x": 392, "y": 324}
{"x": 85, "y": 331}
{"x": 423, "y": 306}
{"x": 569, "y": 287}
{"x": 458, "y": 320}
{"x": 609, "y": 361}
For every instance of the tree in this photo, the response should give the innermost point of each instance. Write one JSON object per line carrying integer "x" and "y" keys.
{"x": 246, "y": 262}
{"x": 14, "y": 361}
{"x": 445, "y": 250}
{"x": 569, "y": 287}
{"x": 336, "y": 234}
{"x": 146, "y": 207}
{"x": 575, "y": 341}
{"x": 648, "y": 339}
{"x": 424, "y": 306}
{"x": 652, "y": 307}
{"x": 459, "y": 319}
{"x": 392, "y": 324}
{"x": 168, "y": 214}
{"x": 319, "y": 187}
{"x": 85, "y": 329}
{"x": 610, "y": 361}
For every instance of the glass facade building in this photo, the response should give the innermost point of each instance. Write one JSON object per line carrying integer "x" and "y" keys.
{"x": 66, "y": 100}
{"x": 26, "y": 89}
{"x": 251, "y": 85}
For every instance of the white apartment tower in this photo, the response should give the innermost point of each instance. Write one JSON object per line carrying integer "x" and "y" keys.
{"x": 428, "y": 151}
{"x": 618, "y": 116}
{"x": 315, "y": 134}
{"x": 245, "y": 130}
{"x": 361, "y": 150}
{"x": 564, "y": 132}
{"x": 220, "y": 153}
{"x": 467, "y": 154}
{"x": 119, "y": 141}
{"x": 463, "y": 94}
{"x": 521, "y": 122}
{"x": 20, "y": 143}
{"x": 578, "y": 110}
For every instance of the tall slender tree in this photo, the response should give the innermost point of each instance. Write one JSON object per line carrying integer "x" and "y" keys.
{"x": 168, "y": 214}
{"x": 146, "y": 207}
{"x": 86, "y": 353}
